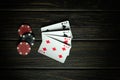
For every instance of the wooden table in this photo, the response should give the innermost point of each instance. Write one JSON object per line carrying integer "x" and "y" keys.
{"x": 95, "y": 48}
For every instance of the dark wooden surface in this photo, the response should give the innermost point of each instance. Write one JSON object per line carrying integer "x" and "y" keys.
{"x": 95, "y": 46}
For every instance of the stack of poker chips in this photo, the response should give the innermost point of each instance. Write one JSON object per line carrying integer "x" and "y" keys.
{"x": 26, "y": 39}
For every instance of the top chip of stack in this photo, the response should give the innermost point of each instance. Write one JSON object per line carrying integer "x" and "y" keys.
{"x": 25, "y": 28}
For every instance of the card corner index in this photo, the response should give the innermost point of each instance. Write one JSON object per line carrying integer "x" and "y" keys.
{"x": 67, "y": 20}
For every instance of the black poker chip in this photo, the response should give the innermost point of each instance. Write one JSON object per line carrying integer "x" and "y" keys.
{"x": 28, "y": 37}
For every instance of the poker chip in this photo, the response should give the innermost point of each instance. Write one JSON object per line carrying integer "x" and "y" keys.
{"x": 23, "y": 48}
{"x": 24, "y": 29}
{"x": 28, "y": 37}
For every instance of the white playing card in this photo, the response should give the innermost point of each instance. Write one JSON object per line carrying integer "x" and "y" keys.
{"x": 54, "y": 49}
{"x": 64, "y": 33}
{"x": 62, "y": 25}
{"x": 65, "y": 40}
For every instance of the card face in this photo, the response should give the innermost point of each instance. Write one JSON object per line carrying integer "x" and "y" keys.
{"x": 65, "y": 25}
{"x": 54, "y": 49}
{"x": 62, "y": 25}
{"x": 65, "y": 33}
{"x": 65, "y": 40}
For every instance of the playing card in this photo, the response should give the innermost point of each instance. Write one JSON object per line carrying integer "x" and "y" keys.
{"x": 64, "y": 40}
{"x": 65, "y": 25}
{"x": 65, "y": 33}
{"x": 54, "y": 49}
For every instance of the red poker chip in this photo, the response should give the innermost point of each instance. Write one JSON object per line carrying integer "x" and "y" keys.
{"x": 24, "y": 29}
{"x": 23, "y": 48}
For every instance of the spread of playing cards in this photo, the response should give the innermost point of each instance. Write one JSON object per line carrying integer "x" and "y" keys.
{"x": 56, "y": 41}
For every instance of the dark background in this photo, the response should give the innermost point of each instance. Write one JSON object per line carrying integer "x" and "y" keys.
{"x": 95, "y": 46}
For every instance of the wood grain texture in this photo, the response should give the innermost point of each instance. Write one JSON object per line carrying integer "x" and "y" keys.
{"x": 85, "y": 25}
{"x": 59, "y": 5}
{"x": 95, "y": 46}
{"x": 84, "y": 54}
{"x": 60, "y": 74}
